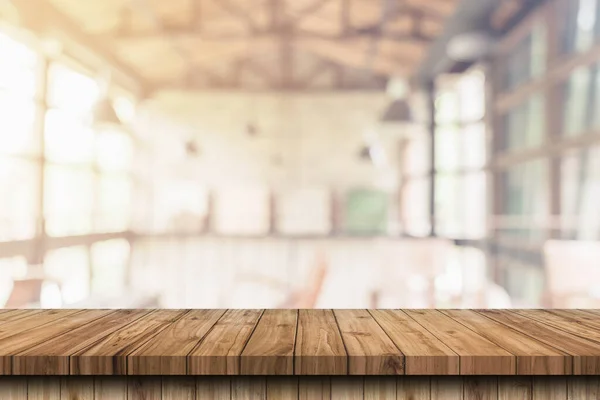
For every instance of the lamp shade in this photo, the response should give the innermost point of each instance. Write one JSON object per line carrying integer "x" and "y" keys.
{"x": 397, "y": 111}
{"x": 105, "y": 114}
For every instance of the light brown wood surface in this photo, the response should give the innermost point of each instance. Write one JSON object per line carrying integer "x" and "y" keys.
{"x": 370, "y": 350}
{"x": 270, "y": 350}
{"x": 300, "y": 342}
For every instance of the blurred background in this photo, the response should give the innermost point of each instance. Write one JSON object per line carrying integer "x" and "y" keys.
{"x": 306, "y": 153}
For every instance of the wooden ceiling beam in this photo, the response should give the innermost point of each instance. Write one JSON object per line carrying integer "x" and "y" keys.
{"x": 42, "y": 18}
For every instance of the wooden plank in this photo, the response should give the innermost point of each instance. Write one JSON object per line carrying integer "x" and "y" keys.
{"x": 549, "y": 388}
{"x": 380, "y": 387}
{"x": 178, "y": 388}
{"x": 270, "y": 350}
{"x": 7, "y": 315}
{"x": 77, "y": 388}
{"x": 14, "y": 344}
{"x": 219, "y": 353}
{"x": 584, "y": 388}
{"x": 166, "y": 353}
{"x": 319, "y": 346}
{"x": 144, "y": 388}
{"x": 43, "y": 388}
{"x": 478, "y": 356}
{"x": 13, "y": 388}
{"x": 480, "y": 388}
{"x": 314, "y": 388}
{"x": 213, "y": 387}
{"x": 586, "y": 354}
{"x": 347, "y": 388}
{"x": 108, "y": 355}
{"x": 533, "y": 357}
{"x": 414, "y": 388}
{"x": 582, "y": 317}
{"x": 249, "y": 388}
{"x": 32, "y": 320}
{"x": 446, "y": 388}
{"x": 282, "y": 388}
{"x": 52, "y": 356}
{"x": 424, "y": 353}
{"x": 370, "y": 350}
{"x": 110, "y": 388}
{"x": 514, "y": 388}
{"x": 568, "y": 323}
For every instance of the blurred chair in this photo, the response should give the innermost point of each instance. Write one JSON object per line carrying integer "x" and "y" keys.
{"x": 572, "y": 273}
{"x": 407, "y": 269}
{"x": 24, "y": 292}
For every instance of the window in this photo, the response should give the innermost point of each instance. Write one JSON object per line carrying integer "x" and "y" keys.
{"x": 68, "y": 200}
{"x": 19, "y": 194}
{"x": 580, "y": 195}
{"x": 525, "y": 199}
{"x": 416, "y": 195}
{"x": 582, "y": 98}
{"x": 524, "y": 126}
{"x": 581, "y": 19}
{"x": 528, "y": 59}
{"x": 70, "y": 267}
{"x": 109, "y": 266}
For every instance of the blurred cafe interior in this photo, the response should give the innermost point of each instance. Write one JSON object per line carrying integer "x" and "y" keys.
{"x": 302, "y": 154}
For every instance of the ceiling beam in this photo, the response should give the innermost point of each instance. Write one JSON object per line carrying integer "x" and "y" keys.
{"x": 185, "y": 33}
{"x": 42, "y": 18}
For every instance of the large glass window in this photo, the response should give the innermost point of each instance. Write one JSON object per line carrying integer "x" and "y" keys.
{"x": 528, "y": 59}
{"x": 109, "y": 267}
{"x": 70, "y": 267}
{"x": 525, "y": 200}
{"x": 366, "y": 212}
{"x": 581, "y": 95}
{"x": 581, "y": 24}
{"x": 461, "y": 154}
{"x": 524, "y": 125}
{"x": 580, "y": 195}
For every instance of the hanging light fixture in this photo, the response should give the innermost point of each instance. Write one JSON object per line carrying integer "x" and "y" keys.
{"x": 397, "y": 111}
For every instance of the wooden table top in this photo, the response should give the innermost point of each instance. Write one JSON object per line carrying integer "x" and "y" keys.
{"x": 299, "y": 342}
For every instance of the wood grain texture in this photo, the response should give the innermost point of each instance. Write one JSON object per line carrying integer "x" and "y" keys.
{"x": 480, "y": 388}
{"x": 13, "y": 315}
{"x": 478, "y": 356}
{"x": 533, "y": 357}
{"x": 52, "y": 356}
{"x": 141, "y": 388}
{"x": 319, "y": 345}
{"x": 270, "y": 350}
{"x": 446, "y": 388}
{"x": 178, "y": 388}
{"x": 549, "y": 388}
{"x": 108, "y": 355}
{"x": 347, "y": 388}
{"x": 249, "y": 388}
{"x": 282, "y": 388}
{"x": 586, "y": 354}
{"x": 584, "y": 388}
{"x": 417, "y": 388}
{"x": 17, "y": 343}
{"x": 13, "y": 388}
{"x": 214, "y": 387}
{"x": 166, "y": 353}
{"x": 370, "y": 350}
{"x": 380, "y": 387}
{"x": 219, "y": 353}
{"x": 110, "y": 388}
{"x": 77, "y": 388}
{"x": 424, "y": 353}
{"x": 515, "y": 388}
{"x": 314, "y": 388}
{"x": 43, "y": 388}
{"x": 32, "y": 320}
{"x": 570, "y": 324}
